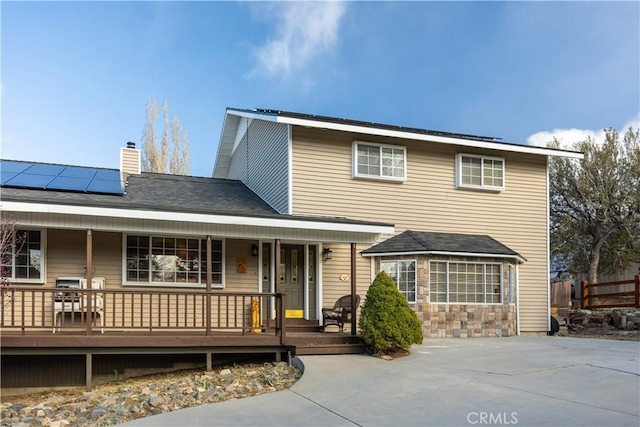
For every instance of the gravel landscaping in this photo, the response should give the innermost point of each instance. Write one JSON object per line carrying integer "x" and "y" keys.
{"x": 129, "y": 399}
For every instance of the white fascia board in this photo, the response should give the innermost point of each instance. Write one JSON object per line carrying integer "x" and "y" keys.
{"x": 241, "y": 131}
{"x": 438, "y": 253}
{"x": 225, "y": 145}
{"x": 432, "y": 138}
{"x": 271, "y": 117}
{"x": 195, "y": 218}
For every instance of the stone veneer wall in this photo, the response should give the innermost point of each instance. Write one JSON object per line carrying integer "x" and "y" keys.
{"x": 467, "y": 320}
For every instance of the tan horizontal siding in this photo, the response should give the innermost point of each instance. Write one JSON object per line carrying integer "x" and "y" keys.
{"x": 130, "y": 160}
{"x": 429, "y": 201}
{"x": 235, "y": 281}
{"x": 332, "y": 287}
{"x": 67, "y": 255}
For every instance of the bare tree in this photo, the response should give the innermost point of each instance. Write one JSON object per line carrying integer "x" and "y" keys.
{"x": 10, "y": 243}
{"x": 156, "y": 155}
{"x": 595, "y": 205}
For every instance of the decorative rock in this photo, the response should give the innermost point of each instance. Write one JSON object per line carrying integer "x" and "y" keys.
{"x": 154, "y": 400}
{"x": 130, "y": 399}
{"x": 97, "y": 413}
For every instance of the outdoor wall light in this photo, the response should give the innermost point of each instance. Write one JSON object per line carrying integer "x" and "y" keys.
{"x": 254, "y": 250}
{"x": 327, "y": 254}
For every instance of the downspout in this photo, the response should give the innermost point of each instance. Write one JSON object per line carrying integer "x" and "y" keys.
{"x": 548, "y": 258}
{"x": 517, "y": 270}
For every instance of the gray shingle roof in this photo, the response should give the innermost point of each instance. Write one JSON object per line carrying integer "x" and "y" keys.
{"x": 172, "y": 193}
{"x": 160, "y": 192}
{"x": 423, "y": 241}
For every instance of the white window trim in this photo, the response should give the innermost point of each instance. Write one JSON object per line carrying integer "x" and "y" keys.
{"x": 43, "y": 259}
{"x": 354, "y": 157}
{"x": 459, "y": 183}
{"x": 125, "y": 282}
{"x": 484, "y": 274}
{"x": 415, "y": 263}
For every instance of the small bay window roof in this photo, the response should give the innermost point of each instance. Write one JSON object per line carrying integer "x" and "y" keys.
{"x": 445, "y": 244}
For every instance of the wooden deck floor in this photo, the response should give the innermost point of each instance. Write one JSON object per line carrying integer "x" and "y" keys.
{"x": 135, "y": 342}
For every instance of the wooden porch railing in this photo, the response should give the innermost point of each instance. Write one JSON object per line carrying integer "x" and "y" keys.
{"x": 118, "y": 310}
{"x": 628, "y": 298}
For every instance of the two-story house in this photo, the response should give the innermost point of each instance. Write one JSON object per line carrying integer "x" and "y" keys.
{"x": 470, "y": 250}
{"x": 300, "y": 211}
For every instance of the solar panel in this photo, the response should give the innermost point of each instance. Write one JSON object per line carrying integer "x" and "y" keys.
{"x": 6, "y": 176}
{"x": 68, "y": 183}
{"x": 44, "y": 169}
{"x": 59, "y": 177}
{"x": 30, "y": 180}
{"x": 104, "y": 186}
{"x": 9, "y": 166}
{"x": 77, "y": 172}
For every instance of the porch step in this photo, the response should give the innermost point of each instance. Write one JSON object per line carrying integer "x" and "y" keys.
{"x": 303, "y": 325}
{"x": 330, "y": 349}
{"x": 325, "y": 343}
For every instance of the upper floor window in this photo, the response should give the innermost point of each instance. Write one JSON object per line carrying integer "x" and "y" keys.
{"x": 22, "y": 255}
{"x": 379, "y": 161}
{"x": 482, "y": 172}
{"x": 465, "y": 282}
{"x": 172, "y": 260}
{"x": 403, "y": 272}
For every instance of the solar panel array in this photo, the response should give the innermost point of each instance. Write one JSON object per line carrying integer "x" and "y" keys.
{"x": 58, "y": 177}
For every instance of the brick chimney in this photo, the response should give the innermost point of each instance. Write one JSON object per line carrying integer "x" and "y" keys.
{"x": 130, "y": 161}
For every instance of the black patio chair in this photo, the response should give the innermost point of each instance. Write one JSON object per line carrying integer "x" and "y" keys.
{"x": 340, "y": 313}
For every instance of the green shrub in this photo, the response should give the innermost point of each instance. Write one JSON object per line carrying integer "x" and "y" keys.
{"x": 387, "y": 323}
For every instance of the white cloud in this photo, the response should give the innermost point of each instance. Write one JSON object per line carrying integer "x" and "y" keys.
{"x": 304, "y": 31}
{"x": 570, "y": 136}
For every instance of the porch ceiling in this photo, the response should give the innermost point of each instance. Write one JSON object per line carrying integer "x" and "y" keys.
{"x": 276, "y": 226}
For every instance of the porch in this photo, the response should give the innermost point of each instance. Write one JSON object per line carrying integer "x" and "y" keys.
{"x": 86, "y": 322}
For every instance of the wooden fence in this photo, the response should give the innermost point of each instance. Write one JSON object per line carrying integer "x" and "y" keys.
{"x": 593, "y": 297}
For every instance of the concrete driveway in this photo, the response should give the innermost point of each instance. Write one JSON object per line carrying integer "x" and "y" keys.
{"x": 524, "y": 381}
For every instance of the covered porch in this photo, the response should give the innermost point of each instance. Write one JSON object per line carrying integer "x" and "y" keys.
{"x": 263, "y": 296}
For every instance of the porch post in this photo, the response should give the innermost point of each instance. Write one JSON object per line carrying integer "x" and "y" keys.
{"x": 353, "y": 289}
{"x": 208, "y": 296}
{"x": 88, "y": 371}
{"x": 89, "y": 295}
{"x": 209, "y": 361}
{"x": 280, "y": 307}
{"x": 276, "y": 272}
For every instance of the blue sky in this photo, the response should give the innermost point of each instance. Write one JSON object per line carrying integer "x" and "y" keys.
{"x": 76, "y": 75}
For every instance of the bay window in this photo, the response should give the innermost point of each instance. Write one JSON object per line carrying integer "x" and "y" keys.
{"x": 403, "y": 272}
{"x": 465, "y": 282}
